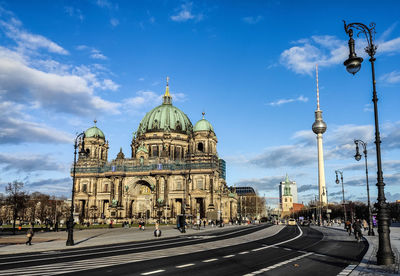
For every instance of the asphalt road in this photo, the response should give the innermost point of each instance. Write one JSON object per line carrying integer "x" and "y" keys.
{"x": 294, "y": 250}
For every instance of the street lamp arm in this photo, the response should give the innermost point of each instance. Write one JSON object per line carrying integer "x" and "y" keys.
{"x": 369, "y": 33}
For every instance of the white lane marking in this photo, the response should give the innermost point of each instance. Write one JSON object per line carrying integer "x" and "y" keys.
{"x": 82, "y": 265}
{"x": 228, "y": 256}
{"x": 209, "y": 260}
{"x": 185, "y": 265}
{"x": 149, "y": 242}
{"x": 348, "y": 270}
{"x": 277, "y": 265}
{"x": 153, "y": 272}
{"x": 279, "y": 243}
{"x": 244, "y": 252}
{"x": 288, "y": 249}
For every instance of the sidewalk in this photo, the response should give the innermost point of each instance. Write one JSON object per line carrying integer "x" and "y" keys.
{"x": 91, "y": 237}
{"x": 368, "y": 265}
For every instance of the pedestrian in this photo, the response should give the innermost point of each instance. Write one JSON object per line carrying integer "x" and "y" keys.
{"x": 348, "y": 227}
{"x": 365, "y": 225}
{"x": 29, "y": 235}
{"x": 157, "y": 231}
{"x": 204, "y": 223}
{"x": 357, "y": 230}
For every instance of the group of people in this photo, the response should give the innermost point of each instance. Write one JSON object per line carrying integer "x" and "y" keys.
{"x": 357, "y": 227}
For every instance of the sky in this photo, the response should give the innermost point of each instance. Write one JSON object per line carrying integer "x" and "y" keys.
{"x": 249, "y": 65}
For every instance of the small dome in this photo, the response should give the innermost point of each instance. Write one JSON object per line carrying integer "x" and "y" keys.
{"x": 94, "y": 131}
{"x": 203, "y": 125}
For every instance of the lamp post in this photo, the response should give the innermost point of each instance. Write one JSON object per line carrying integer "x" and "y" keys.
{"x": 358, "y": 158}
{"x": 385, "y": 254}
{"x": 82, "y": 152}
{"x": 344, "y": 202}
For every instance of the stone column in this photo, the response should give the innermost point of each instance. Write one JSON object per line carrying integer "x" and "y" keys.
{"x": 119, "y": 191}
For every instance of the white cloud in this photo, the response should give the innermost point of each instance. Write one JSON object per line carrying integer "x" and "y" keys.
{"x": 184, "y": 13}
{"x": 143, "y": 98}
{"x": 391, "y": 78}
{"x": 252, "y": 19}
{"x": 70, "y": 93}
{"x": 301, "y": 98}
{"x": 74, "y": 12}
{"x": 21, "y": 162}
{"x": 16, "y": 127}
{"x": 94, "y": 53}
{"x": 322, "y": 50}
{"x": 389, "y": 46}
{"x": 328, "y": 50}
{"x": 28, "y": 41}
{"x": 104, "y": 4}
{"x": 114, "y": 22}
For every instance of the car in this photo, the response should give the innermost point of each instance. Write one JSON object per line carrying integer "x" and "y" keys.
{"x": 291, "y": 221}
{"x": 306, "y": 223}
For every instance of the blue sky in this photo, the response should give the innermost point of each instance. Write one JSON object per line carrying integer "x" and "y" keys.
{"x": 250, "y": 65}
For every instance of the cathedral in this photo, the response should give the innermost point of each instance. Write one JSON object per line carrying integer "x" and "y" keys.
{"x": 173, "y": 169}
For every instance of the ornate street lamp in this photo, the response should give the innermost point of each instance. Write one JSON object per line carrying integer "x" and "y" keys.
{"x": 344, "y": 203}
{"x": 82, "y": 152}
{"x": 358, "y": 158}
{"x": 385, "y": 254}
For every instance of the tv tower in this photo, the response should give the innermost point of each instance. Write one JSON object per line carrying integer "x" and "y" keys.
{"x": 319, "y": 127}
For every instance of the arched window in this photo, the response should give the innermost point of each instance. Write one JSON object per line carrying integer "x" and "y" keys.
{"x": 84, "y": 188}
{"x": 200, "y": 147}
{"x": 285, "y": 199}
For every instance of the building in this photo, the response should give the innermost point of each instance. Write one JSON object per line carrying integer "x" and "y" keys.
{"x": 173, "y": 169}
{"x": 293, "y": 189}
{"x": 286, "y": 199}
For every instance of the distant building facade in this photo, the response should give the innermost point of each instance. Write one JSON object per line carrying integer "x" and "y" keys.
{"x": 293, "y": 189}
{"x": 286, "y": 197}
{"x": 173, "y": 168}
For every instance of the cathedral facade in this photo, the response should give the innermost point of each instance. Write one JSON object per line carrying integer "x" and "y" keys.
{"x": 173, "y": 169}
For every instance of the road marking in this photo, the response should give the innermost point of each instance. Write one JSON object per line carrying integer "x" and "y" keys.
{"x": 209, "y": 260}
{"x": 153, "y": 272}
{"x": 277, "y": 265}
{"x": 82, "y": 265}
{"x": 185, "y": 265}
{"x": 288, "y": 249}
{"x": 228, "y": 256}
{"x": 244, "y": 252}
{"x": 347, "y": 270}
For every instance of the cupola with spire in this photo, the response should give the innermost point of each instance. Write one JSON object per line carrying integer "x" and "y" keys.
{"x": 94, "y": 131}
{"x": 96, "y": 142}
{"x": 203, "y": 125}
{"x": 165, "y": 118}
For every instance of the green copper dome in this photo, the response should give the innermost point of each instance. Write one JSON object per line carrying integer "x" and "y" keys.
{"x": 94, "y": 132}
{"x": 203, "y": 125}
{"x": 165, "y": 118}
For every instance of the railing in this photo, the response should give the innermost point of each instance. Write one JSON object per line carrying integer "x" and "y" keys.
{"x": 151, "y": 167}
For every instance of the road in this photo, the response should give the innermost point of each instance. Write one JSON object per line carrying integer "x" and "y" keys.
{"x": 255, "y": 250}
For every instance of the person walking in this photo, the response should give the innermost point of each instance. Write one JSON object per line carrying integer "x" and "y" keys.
{"x": 157, "y": 231}
{"x": 365, "y": 225}
{"x": 348, "y": 227}
{"x": 204, "y": 223}
{"x": 357, "y": 230}
{"x": 29, "y": 235}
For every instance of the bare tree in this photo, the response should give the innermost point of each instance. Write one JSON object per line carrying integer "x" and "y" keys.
{"x": 16, "y": 198}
